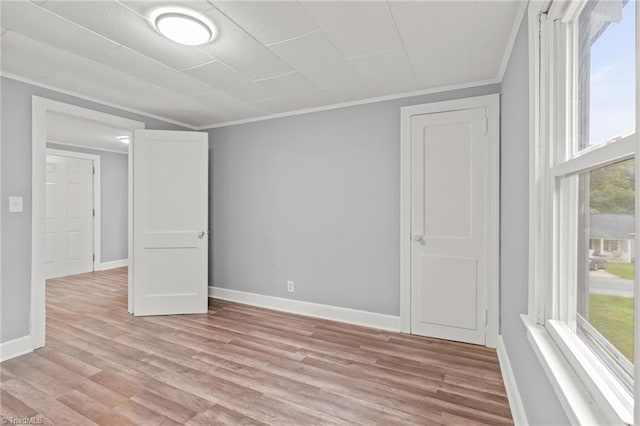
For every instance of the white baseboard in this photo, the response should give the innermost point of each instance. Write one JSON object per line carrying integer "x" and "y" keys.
{"x": 113, "y": 264}
{"x": 513, "y": 394}
{"x": 317, "y": 310}
{"x": 15, "y": 347}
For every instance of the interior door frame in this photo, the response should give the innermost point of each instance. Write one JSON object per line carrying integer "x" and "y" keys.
{"x": 40, "y": 107}
{"x": 491, "y": 103}
{"x": 96, "y": 197}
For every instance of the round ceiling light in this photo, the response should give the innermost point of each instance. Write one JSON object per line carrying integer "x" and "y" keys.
{"x": 183, "y": 29}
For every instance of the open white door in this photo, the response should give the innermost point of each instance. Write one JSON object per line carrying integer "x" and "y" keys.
{"x": 170, "y": 222}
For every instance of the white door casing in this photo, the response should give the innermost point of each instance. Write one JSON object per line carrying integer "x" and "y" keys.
{"x": 69, "y": 216}
{"x": 450, "y": 220}
{"x": 170, "y": 222}
{"x": 40, "y": 108}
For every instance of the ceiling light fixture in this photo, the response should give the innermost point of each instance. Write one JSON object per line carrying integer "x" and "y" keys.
{"x": 184, "y": 28}
{"x": 123, "y": 139}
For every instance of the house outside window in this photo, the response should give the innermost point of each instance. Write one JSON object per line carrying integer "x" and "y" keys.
{"x": 612, "y": 236}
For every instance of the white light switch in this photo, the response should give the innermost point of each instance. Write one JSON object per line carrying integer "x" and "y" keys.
{"x": 15, "y": 204}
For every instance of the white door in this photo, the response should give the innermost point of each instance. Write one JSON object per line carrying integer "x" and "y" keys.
{"x": 449, "y": 158}
{"x": 69, "y": 216}
{"x": 170, "y": 222}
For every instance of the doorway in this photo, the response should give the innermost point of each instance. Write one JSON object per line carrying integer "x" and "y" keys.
{"x": 72, "y": 229}
{"x": 450, "y": 220}
{"x": 44, "y": 132}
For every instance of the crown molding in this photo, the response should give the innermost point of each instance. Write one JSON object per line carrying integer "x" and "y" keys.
{"x": 99, "y": 101}
{"x": 354, "y": 103}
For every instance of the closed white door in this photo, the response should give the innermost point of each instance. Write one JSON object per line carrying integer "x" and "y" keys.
{"x": 449, "y": 158}
{"x": 69, "y": 216}
{"x": 170, "y": 222}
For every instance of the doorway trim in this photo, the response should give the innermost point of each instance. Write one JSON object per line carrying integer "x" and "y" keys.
{"x": 97, "y": 234}
{"x": 491, "y": 103}
{"x": 40, "y": 107}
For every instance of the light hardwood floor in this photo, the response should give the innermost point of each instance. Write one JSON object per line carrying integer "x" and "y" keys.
{"x": 238, "y": 365}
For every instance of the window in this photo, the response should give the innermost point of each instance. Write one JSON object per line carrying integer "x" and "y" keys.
{"x": 604, "y": 302}
{"x": 582, "y": 287}
{"x": 610, "y": 246}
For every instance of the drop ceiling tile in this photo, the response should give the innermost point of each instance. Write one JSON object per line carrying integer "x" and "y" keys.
{"x": 217, "y": 100}
{"x": 27, "y": 58}
{"x": 493, "y": 24}
{"x": 386, "y": 72}
{"x": 350, "y": 93}
{"x": 224, "y": 108}
{"x": 158, "y": 101}
{"x": 59, "y": 68}
{"x": 146, "y": 8}
{"x": 399, "y": 3}
{"x": 438, "y": 38}
{"x": 35, "y": 22}
{"x": 225, "y": 116}
{"x": 356, "y": 28}
{"x": 291, "y": 84}
{"x": 220, "y": 76}
{"x": 269, "y": 22}
{"x": 87, "y": 86}
{"x": 124, "y": 26}
{"x": 294, "y": 103}
{"x": 238, "y": 49}
{"x": 317, "y": 60}
{"x": 152, "y": 71}
{"x": 88, "y": 73}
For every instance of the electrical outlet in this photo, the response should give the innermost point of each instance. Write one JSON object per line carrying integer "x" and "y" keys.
{"x": 290, "y": 287}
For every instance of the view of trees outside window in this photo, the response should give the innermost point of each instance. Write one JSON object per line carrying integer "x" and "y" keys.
{"x": 610, "y": 263}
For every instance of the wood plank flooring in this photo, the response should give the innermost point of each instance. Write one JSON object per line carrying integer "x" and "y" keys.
{"x": 238, "y": 365}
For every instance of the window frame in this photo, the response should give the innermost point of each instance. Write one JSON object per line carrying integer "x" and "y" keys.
{"x": 550, "y": 321}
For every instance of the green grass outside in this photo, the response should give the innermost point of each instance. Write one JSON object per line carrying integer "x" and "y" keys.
{"x": 612, "y": 316}
{"x": 622, "y": 270}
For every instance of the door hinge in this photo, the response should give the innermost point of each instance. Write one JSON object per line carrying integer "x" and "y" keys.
{"x": 486, "y": 320}
{"x": 93, "y": 169}
{"x": 486, "y": 124}
{"x": 94, "y": 212}
{"x": 94, "y": 257}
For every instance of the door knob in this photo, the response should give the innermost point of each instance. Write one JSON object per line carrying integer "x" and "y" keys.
{"x": 418, "y": 238}
{"x": 201, "y": 234}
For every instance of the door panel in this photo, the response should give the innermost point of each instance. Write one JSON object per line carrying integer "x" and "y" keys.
{"x": 449, "y": 155}
{"x": 69, "y": 216}
{"x": 170, "y": 222}
{"x": 454, "y": 281}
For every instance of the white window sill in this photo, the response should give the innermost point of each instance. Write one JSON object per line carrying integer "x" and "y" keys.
{"x": 585, "y": 399}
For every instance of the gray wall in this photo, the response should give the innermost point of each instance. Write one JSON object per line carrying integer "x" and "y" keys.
{"x": 313, "y": 198}
{"x": 114, "y": 201}
{"x": 541, "y": 404}
{"x": 16, "y": 180}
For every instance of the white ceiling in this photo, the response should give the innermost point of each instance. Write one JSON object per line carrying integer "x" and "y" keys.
{"x": 269, "y": 57}
{"x": 70, "y": 130}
